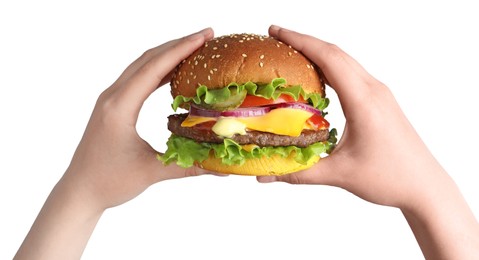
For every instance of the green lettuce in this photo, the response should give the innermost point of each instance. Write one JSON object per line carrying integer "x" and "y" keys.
{"x": 271, "y": 90}
{"x": 185, "y": 152}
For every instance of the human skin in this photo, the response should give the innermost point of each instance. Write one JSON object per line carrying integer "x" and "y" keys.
{"x": 112, "y": 164}
{"x": 393, "y": 166}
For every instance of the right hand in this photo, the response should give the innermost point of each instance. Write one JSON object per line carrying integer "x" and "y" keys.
{"x": 380, "y": 157}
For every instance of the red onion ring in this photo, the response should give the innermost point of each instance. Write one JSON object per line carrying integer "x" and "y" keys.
{"x": 251, "y": 111}
{"x": 246, "y": 112}
{"x": 299, "y": 105}
{"x": 198, "y": 111}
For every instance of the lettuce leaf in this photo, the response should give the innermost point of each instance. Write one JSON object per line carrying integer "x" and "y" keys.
{"x": 271, "y": 90}
{"x": 186, "y": 151}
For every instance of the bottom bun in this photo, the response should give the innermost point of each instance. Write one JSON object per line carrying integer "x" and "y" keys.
{"x": 274, "y": 165}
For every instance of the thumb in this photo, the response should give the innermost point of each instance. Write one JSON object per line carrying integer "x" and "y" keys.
{"x": 320, "y": 173}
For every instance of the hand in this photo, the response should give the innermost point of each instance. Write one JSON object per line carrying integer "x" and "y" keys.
{"x": 112, "y": 164}
{"x": 112, "y": 161}
{"x": 381, "y": 158}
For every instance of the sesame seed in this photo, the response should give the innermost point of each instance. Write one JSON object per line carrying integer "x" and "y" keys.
{"x": 183, "y": 61}
{"x": 226, "y": 45}
{"x": 280, "y": 42}
{"x": 215, "y": 48}
{"x": 177, "y": 82}
{"x": 277, "y": 45}
{"x": 217, "y": 56}
{"x": 289, "y": 53}
{"x": 295, "y": 51}
{"x": 206, "y": 45}
{"x": 307, "y": 65}
{"x": 290, "y": 46}
{"x": 211, "y": 71}
{"x": 209, "y": 77}
{"x": 244, "y": 55}
{"x": 261, "y": 39}
{"x": 188, "y": 81}
{"x": 194, "y": 77}
{"x": 191, "y": 73}
{"x": 262, "y": 56}
{"x": 261, "y": 64}
{"x": 241, "y": 41}
{"x": 213, "y": 56}
{"x": 204, "y": 65}
{"x": 215, "y": 69}
{"x": 196, "y": 62}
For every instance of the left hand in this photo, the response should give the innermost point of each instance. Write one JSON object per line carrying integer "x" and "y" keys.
{"x": 112, "y": 163}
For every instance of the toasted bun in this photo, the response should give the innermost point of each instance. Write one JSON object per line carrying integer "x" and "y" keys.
{"x": 241, "y": 58}
{"x": 274, "y": 165}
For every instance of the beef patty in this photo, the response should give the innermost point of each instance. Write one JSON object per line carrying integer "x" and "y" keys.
{"x": 306, "y": 138}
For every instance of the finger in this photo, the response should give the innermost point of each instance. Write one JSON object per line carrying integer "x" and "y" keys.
{"x": 346, "y": 76}
{"x": 134, "y": 91}
{"x": 173, "y": 171}
{"x": 322, "y": 172}
{"x": 140, "y": 61}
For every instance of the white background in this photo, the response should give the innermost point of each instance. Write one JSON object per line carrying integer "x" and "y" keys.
{"x": 56, "y": 58}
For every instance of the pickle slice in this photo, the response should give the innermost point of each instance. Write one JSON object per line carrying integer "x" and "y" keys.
{"x": 233, "y": 100}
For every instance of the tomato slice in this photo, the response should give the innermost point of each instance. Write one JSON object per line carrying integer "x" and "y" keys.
{"x": 318, "y": 122}
{"x": 255, "y": 101}
{"x": 205, "y": 126}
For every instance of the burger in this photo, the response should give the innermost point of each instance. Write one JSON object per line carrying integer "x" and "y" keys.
{"x": 255, "y": 106}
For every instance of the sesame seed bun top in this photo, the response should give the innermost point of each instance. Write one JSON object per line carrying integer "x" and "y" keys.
{"x": 241, "y": 58}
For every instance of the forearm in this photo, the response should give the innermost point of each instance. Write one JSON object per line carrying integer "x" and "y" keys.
{"x": 63, "y": 226}
{"x": 443, "y": 223}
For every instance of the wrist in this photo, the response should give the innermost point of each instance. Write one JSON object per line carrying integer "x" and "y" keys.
{"x": 66, "y": 220}
{"x": 441, "y": 220}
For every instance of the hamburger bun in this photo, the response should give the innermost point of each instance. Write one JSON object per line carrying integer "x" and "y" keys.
{"x": 241, "y": 58}
{"x": 264, "y": 166}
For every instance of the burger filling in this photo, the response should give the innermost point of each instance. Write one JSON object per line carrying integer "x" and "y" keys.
{"x": 204, "y": 133}
{"x": 239, "y": 122}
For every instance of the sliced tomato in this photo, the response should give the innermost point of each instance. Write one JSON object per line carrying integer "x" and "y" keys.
{"x": 318, "y": 122}
{"x": 205, "y": 126}
{"x": 255, "y": 101}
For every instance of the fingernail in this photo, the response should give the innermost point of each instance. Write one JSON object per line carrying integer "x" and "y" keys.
{"x": 274, "y": 27}
{"x": 218, "y": 174}
{"x": 200, "y": 34}
{"x": 277, "y": 28}
{"x": 267, "y": 179}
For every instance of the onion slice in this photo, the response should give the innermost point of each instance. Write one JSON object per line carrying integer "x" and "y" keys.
{"x": 199, "y": 111}
{"x": 251, "y": 111}
{"x": 240, "y": 112}
{"x": 246, "y": 112}
{"x": 298, "y": 105}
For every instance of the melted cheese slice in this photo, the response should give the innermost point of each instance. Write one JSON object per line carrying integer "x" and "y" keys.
{"x": 282, "y": 121}
{"x": 194, "y": 120}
